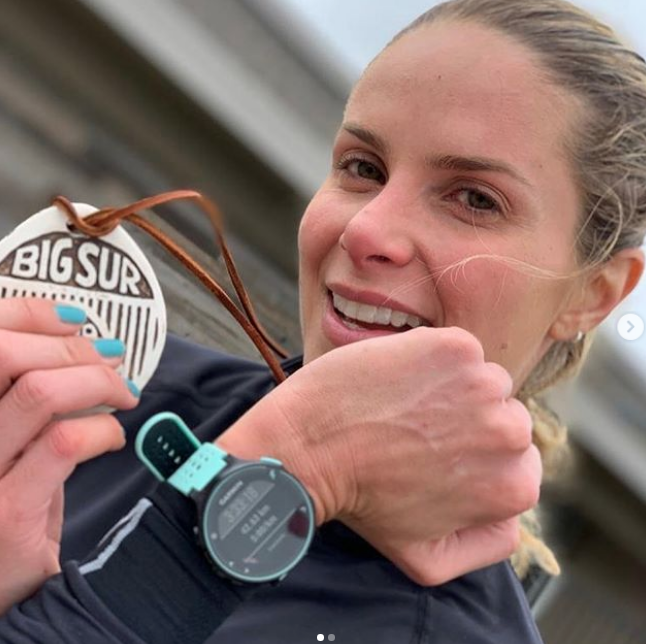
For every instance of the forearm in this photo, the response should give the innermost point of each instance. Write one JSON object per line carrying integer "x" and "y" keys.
{"x": 146, "y": 582}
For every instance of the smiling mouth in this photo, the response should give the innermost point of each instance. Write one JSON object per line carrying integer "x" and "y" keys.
{"x": 358, "y": 316}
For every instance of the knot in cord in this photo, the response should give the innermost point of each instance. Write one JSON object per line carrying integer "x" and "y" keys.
{"x": 104, "y": 221}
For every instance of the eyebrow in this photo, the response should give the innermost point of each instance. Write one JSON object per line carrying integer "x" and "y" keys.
{"x": 442, "y": 161}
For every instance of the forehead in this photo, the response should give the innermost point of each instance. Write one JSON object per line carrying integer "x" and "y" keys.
{"x": 467, "y": 86}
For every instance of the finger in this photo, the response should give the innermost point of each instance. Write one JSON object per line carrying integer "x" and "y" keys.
{"x": 475, "y": 548}
{"x": 502, "y": 379}
{"x": 499, "y": 488}
{"x": 462, "y": 345}
{"x": 23, "y": 352}
{"x": 505, "y": 428}
{"x": 527, "y": 478}
{"x": 461, "y": 552}
{"x": 520, "y": 422}
{"x": 55, "y": 516}
{"x": 36, "y": 477}
{"x": 37, "y": 396}
{"x": 32, "y": 315}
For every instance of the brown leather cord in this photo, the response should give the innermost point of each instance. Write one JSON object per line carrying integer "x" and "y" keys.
{"x": 104, "y": 221}
{"x": 215, "y": 217}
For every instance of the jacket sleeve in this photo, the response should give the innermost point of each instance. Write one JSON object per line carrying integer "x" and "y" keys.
{"x": 67, "y": 611}
{"x": 146, "y": 582}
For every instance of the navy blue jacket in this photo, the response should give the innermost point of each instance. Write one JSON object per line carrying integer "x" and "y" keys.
{"x": 147, "y": 581}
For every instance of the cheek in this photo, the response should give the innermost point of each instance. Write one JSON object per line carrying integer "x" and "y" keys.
{"x": 507, "y": 288}
{"x": 316, "y": 236}
{"x": 309, "y": 238}
{"x": 485, "y": 288}
{"x": 508, "y": 310}
{"x": 319, "y": 232}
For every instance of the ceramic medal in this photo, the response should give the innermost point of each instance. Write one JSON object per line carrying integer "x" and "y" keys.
{"x": 109, "y": 277}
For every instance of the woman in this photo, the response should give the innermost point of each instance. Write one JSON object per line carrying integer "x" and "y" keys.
{"x": 487, "y": 176}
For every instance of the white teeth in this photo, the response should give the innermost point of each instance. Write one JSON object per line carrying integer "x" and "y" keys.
{"x": 398, "y": 318}
{"x": 351, "y": 309}
{"x": 366, "y": 313}
{"x": 383, "y": 315}
{"x": 373, "y": 314}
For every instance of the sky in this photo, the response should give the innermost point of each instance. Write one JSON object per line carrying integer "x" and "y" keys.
{"x": 356, "y": 30}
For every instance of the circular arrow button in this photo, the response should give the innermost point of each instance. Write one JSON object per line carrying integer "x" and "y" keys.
{"x": 630, "y": 326}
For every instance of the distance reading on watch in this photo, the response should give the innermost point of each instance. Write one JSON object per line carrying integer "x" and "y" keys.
{"x": 255, "y": 519}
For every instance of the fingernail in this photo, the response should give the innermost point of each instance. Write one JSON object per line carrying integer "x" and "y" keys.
{"x": 110, "y": 348}
{"x": 134, "y": 390}
{"x": 70, "y": 314}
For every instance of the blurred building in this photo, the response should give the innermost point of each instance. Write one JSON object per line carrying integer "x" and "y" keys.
{"x": 107, "y": 101}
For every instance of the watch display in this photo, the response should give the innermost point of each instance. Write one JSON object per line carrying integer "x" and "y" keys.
{"x": 256, "y": 522}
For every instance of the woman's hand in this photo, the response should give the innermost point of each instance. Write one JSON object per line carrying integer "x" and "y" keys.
{"x": 413, "y": 441}
{"x": 46, "y": 371}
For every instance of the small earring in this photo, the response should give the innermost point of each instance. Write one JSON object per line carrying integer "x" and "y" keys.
{"x": 578, "y": 338}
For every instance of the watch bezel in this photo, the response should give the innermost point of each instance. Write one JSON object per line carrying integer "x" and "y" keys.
{"x": 205, "y": 508}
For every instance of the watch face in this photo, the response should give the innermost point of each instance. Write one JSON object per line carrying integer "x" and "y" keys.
{"x": 258, "y": 523}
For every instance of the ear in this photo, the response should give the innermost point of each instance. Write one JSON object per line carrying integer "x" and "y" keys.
{"x": 600, "y": 293}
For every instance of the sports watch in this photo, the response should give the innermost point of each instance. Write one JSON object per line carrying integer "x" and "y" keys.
{"x": 255, "y": 520}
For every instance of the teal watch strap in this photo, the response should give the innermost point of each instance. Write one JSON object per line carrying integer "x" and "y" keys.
{"x": 173, "y": 453}
{"x": 254, "y": 520}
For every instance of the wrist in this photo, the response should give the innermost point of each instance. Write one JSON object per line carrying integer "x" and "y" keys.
{"x": 265, "y": 431}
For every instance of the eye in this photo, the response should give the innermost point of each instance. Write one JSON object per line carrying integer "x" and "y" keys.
{"x": 477, "y": 201}
{"x": 360, "y": 168}
{"x": 367, "y": 170}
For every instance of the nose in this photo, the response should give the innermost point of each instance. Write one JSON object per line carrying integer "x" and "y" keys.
{"x": 378, "y": 234}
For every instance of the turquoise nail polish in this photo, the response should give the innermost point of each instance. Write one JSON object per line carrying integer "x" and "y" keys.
{"x": 110, "y": 348}
{"x": 70, "y": 314}
{"x": 134, "y": 390}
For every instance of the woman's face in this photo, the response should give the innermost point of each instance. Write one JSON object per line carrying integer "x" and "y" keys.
{"x": 452, "y": 146}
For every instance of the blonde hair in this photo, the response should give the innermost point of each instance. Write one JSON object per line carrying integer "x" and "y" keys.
{"x": 608, "y": 154}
